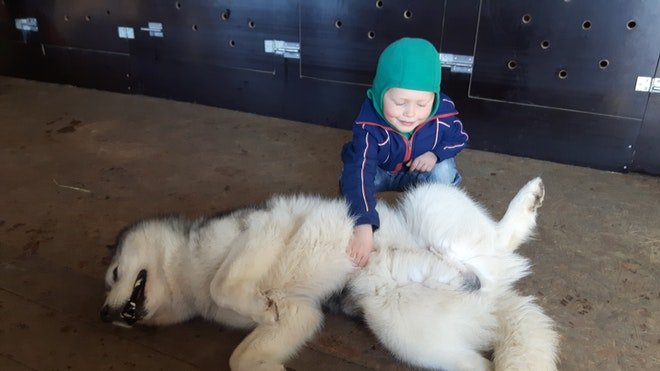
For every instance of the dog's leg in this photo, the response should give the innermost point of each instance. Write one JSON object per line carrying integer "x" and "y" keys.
{"x": 269, "y": 346}
{"x": 429, "y": 269}
{"x": 250, "y": 258}
{"x": 525, "y": 338}
{"x": 235, "y": 283}
{"x": 520, "y": 219}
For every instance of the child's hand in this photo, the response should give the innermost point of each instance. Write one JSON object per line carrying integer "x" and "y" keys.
{"x": 423, "y": 163}
{"x": 361, "y": 244}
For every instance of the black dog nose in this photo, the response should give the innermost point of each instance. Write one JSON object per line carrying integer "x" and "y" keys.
{"x": 105, "y": 314}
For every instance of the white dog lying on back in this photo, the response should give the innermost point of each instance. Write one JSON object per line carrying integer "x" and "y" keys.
{"x": 437, "y": 292}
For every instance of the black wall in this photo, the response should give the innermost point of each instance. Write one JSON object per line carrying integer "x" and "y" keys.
{"x": 552, "y": 80}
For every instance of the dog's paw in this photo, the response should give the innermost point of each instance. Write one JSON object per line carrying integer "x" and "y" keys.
{"x": 536, "y": 194}
{"x": 529, "y": 198}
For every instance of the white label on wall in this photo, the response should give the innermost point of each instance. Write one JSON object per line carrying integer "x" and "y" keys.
{"x": 27, "y": 24}
{"x": 125, "y": 32}
{"x": 643, "y": 83}
{"x": 155, "y": 29}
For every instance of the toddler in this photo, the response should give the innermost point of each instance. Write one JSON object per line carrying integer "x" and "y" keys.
{"x": 406, "y": 133}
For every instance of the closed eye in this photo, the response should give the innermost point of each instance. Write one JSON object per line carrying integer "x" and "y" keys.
{"x": 114, "y": 274}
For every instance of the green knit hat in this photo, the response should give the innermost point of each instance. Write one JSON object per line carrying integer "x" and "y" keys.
{"x": 407, "y": 63}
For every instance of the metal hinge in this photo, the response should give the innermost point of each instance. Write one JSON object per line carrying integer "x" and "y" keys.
{"x": 648, "y": 84}
{"x": 284, "y": 48}
{"x": 155, "y": 29}
{"x": 458, "y": 63}
{"x": 27, "y": 24}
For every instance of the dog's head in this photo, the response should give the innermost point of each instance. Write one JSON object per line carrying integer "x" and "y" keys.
{"x": 137, "y": 279}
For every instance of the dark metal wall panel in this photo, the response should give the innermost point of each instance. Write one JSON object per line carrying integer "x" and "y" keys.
{"x": 213, "y": 53}
{"x": 282, "y": 94}
{"x": 6, "y": 21}
{"x": 76, "y": 43}
{"x": 20, "y": 51}
{"x": 460, "y": 26}
{"x": 341, "y": 40}
{"x": 87, "y": 68}
{"x": 567, "y": 54}
{"x": 74, "y": 24}
{"x": 209, "y": 84}
{"x": 584, "y": 139}
{"x": 592, "y": 118}
{"x": 218, "y": 33}
{"x": 647, "y": 148}
{"x": 22, "y": 59}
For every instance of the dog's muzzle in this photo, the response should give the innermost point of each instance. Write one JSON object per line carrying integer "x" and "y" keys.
{"x": 133, "y": 310}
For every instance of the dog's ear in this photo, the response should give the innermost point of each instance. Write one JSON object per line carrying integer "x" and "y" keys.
{"x": 119, "y": 239}
{"x": 112, "y": 251}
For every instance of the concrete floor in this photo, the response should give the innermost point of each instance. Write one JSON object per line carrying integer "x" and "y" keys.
{"x": 77, "y": 165}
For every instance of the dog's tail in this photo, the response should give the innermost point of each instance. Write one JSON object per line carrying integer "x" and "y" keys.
{"x": 526, "y": 338}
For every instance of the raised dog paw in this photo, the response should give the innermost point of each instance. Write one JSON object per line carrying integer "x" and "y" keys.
{"x": 530, "y": 197}
{"x": 536, "y": 193}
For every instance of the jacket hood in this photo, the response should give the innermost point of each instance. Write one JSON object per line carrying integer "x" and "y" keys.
{"x": 407, "y": 63}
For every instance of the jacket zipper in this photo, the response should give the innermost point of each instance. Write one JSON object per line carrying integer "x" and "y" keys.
{"x": 408, "y": 143}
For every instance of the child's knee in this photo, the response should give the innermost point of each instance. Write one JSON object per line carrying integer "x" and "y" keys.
{"x": 445, "y": 172}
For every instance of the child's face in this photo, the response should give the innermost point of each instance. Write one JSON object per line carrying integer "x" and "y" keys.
{"x": 406, "y": 109}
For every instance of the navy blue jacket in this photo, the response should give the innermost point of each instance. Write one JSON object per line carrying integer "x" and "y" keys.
{"x": 376, "y": 143}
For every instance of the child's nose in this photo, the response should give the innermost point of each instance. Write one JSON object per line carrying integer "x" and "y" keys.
{"x": 409, "y": 111}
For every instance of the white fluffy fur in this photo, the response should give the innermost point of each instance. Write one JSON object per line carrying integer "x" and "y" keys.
{"x": 270, "y": 268}
{"x": 435, "y": 326}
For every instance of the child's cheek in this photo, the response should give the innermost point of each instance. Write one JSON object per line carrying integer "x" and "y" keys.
{"x": 390, "y": 113}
